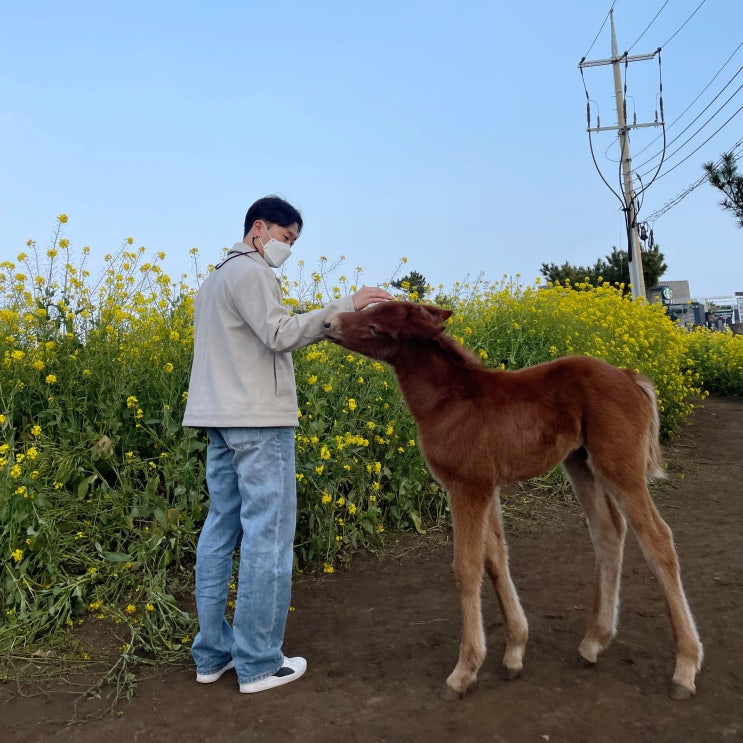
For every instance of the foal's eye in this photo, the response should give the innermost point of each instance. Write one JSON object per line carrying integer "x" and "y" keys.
{"x": 373, "y": 329}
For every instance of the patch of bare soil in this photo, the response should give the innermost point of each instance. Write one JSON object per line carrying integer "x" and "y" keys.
{"x": 381, "y": 638}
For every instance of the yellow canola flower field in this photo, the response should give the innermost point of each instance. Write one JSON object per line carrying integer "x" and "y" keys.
{"x": 102, "y": 491}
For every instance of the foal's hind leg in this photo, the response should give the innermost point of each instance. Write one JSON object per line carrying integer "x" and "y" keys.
{"x": 656, "y": 541}
{"x": 607, "y": 528}
{"x": 468, "y": 520}
{"x": 496, "y": 566}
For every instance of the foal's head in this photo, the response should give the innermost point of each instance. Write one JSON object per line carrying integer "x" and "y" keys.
{"x": 381, "y": 329}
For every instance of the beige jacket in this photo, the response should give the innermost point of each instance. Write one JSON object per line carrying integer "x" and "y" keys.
{"x": 242, "y": 373}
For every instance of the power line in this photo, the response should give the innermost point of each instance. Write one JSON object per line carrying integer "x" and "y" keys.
{"x": 701, "y": 93}
{"x": 648, "y": 26}
{"x": 717, "y": 131}
{"x": 689, "y": 189}
{"x": 706, "y": 108}
{"x": 684, "y": 23}
{"x": 600, "y": 30}
{"x": 709, "y": 120}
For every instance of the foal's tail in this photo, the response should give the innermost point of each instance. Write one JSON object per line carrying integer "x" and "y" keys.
{"x": 655, "y": 467}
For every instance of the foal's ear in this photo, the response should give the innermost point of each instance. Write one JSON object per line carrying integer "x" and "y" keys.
{"x": 438, "y": 314}
{"x": 428, "y": 320}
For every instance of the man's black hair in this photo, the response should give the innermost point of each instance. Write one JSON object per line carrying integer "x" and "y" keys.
{"x": 273, "y": 210}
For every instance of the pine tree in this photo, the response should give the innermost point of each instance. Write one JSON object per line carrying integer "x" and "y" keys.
{"x": 725, "y": 178}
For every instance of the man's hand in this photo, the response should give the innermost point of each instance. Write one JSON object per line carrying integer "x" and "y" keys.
{"x": 369, "y": 295}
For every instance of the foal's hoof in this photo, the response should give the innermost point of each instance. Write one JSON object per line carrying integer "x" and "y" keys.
{"x": 451, "y": 695}
{"x": 678, "y": 692}
{"x": 510, "y": 674}
{"x": 581, "y": 662}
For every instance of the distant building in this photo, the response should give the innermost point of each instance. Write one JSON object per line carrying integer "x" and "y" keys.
{"x": 676, "y": 292}
{"x": 712, "y": 312}
{"x": 676, "y": 298}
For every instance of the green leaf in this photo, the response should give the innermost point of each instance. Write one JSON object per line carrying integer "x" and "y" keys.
{"x": 116, "y": 556}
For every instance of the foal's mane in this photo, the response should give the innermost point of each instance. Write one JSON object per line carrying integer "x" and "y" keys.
{"x": 456, "y": 353}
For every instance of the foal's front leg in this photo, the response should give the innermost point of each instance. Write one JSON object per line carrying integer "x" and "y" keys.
{"x": 468, "y": 519}
{"x": 496, "y": 566}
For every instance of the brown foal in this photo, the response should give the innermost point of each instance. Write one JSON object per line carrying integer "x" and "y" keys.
{"x": 481, "y": 428}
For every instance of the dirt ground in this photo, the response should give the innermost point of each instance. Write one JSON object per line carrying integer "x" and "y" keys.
{"x": 381, "y": 638}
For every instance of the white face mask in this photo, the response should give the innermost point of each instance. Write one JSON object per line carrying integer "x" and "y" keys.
{"x": 274, "y": 251}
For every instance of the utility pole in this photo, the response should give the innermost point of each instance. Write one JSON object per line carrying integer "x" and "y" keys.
{"x": 634, "y": 255}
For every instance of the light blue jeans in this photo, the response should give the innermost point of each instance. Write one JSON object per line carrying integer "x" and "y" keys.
{"x": 250, "y": 473}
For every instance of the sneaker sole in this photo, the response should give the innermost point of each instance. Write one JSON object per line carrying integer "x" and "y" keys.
{"x": 271, "y": 682}
{"x": 210, "y": 678}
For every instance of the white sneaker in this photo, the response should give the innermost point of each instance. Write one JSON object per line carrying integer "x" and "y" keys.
{"x": 210, "y": 678}
{"x": 291, "y": 669}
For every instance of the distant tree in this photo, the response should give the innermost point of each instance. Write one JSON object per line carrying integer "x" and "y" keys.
{"x": 565, "y": 273}
{"x": 726, "y": 178}
{"x": 613, "y": 269}
{"x": 413, "y": 283}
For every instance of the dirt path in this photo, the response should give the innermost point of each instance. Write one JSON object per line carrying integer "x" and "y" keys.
{"x": 381, "y": 638}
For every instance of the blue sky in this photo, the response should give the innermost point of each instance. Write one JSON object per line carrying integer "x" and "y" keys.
{"x": 453, "y": 134}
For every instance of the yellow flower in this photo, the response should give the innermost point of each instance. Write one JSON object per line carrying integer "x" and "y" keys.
{"x": 328, "y": 568}
{"x": 326, "y": 498}
{"x": 35, "y": 430}
{"x": 150, "y": 607}
{"x": 17, "y": 555}
{"x": 131, "y": 401}
{"x": 16, "y": 471}
{"x": 130, "y": 609}
{"x": 51, "y": 378}
{"x": 351, "y": 404}
{"x": 62, "y": 219}
{"x": 168, "y": 368}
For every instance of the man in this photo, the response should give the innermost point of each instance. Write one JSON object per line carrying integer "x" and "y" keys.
{"x": 242, "y": 391}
